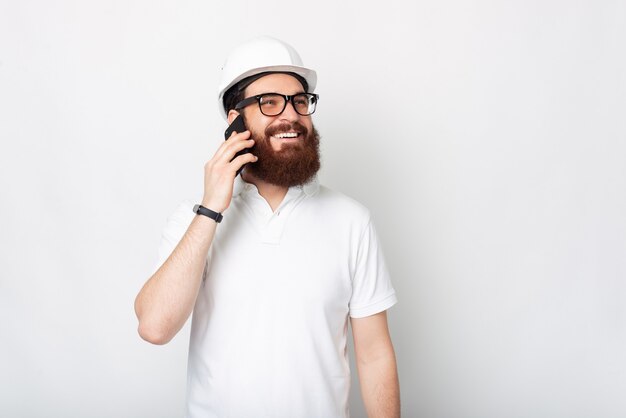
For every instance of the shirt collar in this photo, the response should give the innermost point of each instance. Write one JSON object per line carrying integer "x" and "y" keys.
{"x": 309, "y": 188}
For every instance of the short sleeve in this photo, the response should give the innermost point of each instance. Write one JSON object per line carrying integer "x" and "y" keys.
{"x": 175, "y": 228}
{"x": 372, "y": 291}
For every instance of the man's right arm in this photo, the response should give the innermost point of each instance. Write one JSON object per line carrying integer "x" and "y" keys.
{"x": 167, "y": 299}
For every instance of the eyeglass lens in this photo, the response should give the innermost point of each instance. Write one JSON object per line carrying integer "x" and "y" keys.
{"x": 274, "y": 104}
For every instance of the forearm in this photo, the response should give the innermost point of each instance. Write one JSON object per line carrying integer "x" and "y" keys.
{"x": 167, "y": 299}
{"x": 380, "y": 387}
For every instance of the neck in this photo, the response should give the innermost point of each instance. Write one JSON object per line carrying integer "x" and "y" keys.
{"x": 272, "y": 193}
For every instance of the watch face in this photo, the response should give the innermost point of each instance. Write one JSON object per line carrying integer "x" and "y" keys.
{"x": 195, "y": 208}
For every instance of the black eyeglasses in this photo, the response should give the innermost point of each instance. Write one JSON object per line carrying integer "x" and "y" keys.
{"x": 273, "y": 104}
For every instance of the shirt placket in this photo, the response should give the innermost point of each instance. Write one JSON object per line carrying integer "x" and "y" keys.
{"x": 273, "y": 223}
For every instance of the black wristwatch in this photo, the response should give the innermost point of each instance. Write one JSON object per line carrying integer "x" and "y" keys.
{"x": 201, "y": 210}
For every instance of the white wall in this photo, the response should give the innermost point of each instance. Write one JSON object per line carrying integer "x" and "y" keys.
{"x": 488, "y": 139}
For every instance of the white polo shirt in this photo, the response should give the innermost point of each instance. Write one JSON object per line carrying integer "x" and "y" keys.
{"x": 269, "y": 328}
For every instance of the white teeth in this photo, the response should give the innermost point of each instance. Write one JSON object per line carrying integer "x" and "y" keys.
{"x": 286, "y": 135}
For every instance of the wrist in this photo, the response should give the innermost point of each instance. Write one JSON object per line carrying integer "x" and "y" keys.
{"x": 213, "y": 204}
{"x": 209, "y": 213}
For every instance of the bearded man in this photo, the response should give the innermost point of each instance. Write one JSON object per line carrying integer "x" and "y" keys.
{"x": 272, "y": 289}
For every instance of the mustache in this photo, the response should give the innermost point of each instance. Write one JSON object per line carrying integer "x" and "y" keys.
{"x": 286, "y": 127}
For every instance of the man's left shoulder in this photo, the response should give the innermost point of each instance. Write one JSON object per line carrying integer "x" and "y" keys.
{"x": 340, "y": 204}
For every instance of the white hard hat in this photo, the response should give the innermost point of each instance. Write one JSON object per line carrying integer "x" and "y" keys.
{"x": 261, "y": 55}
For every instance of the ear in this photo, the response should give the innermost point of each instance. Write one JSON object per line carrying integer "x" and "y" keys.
{"x": 232, "y": 114}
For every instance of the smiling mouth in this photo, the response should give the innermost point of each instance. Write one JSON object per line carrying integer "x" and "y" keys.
{"x": 287, "y": 135}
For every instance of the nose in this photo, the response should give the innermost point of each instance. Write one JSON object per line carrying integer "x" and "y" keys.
{"x": 290, "y": 113}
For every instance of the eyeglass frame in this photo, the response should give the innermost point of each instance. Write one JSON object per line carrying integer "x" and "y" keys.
{"x": 249, "y": 100}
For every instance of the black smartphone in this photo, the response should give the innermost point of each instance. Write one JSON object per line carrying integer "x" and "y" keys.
{"x": 239, "y": 127}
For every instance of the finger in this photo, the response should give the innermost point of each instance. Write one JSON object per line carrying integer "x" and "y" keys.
{"x": 234, "y": 133}
{"x": 234, "y": 137}
{"x": 230, "y": 151}
{"x": 238, "y": 162}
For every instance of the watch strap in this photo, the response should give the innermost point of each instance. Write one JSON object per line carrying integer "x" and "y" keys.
{"x": 201, "y": 210}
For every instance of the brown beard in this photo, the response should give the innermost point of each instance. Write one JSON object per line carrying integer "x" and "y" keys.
{"x": 294, "y": 165}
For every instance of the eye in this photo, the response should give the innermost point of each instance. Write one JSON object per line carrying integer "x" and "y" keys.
{"x": 270, "y": 100}
{"x": 301, "y": 100}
